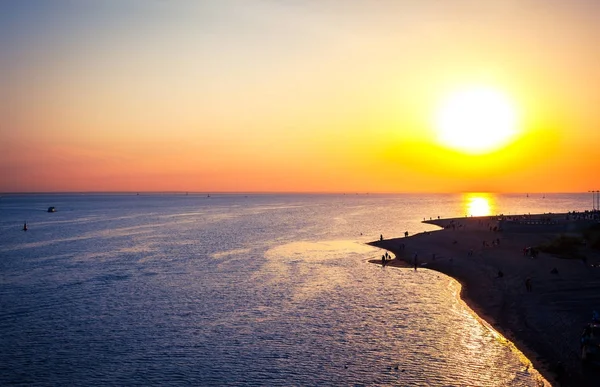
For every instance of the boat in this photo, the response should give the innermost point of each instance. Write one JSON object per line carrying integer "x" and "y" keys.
{"x": 25, "y": 226}
{"x": 51, "y": 209}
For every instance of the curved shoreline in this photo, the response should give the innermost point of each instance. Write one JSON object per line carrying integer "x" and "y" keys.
{"x": 544, "y": 323}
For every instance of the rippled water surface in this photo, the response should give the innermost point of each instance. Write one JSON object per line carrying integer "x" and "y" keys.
{"x": 238, "y": 290}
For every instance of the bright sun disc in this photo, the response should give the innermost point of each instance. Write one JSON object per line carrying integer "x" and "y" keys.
{"x": 476, "y": 121}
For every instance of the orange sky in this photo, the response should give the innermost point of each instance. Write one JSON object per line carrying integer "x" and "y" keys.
{"x": 332, "y": 96}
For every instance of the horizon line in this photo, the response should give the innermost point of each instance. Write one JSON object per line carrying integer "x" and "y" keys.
{"x": 292, "y": 192}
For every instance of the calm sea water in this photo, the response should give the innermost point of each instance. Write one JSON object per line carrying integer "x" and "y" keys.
{"x": 240, "y": 290}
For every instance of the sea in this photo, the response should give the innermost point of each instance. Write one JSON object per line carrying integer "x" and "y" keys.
{"x": 209, "y": 289}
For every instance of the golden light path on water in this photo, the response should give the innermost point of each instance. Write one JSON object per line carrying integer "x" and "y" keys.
{"x": 541, "y": 381}
{"x": 420, "y": 316}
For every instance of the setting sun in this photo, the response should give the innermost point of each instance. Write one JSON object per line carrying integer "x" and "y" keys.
{"x": 335, "y": 96}
{"x": 476, "y": 120}
{"x": 478, "y": 204}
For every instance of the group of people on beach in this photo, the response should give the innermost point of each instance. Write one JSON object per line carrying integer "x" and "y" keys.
{"x": 495, "y": 242}
{"x": 384, "y": 258}
{"x": 452, "y": 225}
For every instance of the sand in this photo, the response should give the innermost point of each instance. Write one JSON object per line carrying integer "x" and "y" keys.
{"x": 544, "y": 323}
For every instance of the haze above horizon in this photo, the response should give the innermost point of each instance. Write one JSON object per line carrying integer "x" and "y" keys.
{"x": 331, "y": 96}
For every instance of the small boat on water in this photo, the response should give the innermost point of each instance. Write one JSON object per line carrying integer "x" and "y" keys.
{"x": 51, "y": 209}
{"x": 25, "y": 226}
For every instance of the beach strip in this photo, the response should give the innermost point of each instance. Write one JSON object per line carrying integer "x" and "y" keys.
{"x": 538, "y": 301}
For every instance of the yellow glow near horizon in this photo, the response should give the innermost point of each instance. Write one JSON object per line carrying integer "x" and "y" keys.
{"x": 476, "y": 120}
{"x": 477, "y": 204}
{"x": 305, "y": 97}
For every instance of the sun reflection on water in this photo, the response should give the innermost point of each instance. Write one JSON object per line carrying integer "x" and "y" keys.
{"x": 479, "y": 204}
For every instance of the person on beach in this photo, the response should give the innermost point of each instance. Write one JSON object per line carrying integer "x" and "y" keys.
{"x": 415, "y": 259}
{"x": 405, "y": 234}
{"x": 380, "y": 237}
{"x": 383, "y": 260}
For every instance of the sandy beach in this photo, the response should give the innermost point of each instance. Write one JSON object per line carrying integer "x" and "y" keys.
{"x": 540, "y": 303}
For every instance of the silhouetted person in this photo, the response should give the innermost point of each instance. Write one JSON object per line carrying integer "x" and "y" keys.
{"x": 380, "y": 237}
{"x": 25, "y": 226}
{"x": 405, "y": 234}
{"x": 415, "y": 259}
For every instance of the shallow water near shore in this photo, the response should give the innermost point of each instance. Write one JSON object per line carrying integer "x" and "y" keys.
{"x": 240, "y": 290}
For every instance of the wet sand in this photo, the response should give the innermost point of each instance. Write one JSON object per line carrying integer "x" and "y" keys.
{"x": 546, "y": 322}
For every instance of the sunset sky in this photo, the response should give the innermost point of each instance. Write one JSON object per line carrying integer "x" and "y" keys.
{"x": 294, "y": 96}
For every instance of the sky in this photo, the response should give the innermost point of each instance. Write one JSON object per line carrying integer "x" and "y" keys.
{"x": 292, "y": 96}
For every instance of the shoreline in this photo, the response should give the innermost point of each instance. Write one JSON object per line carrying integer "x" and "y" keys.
{"x": 486, "y": 255}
